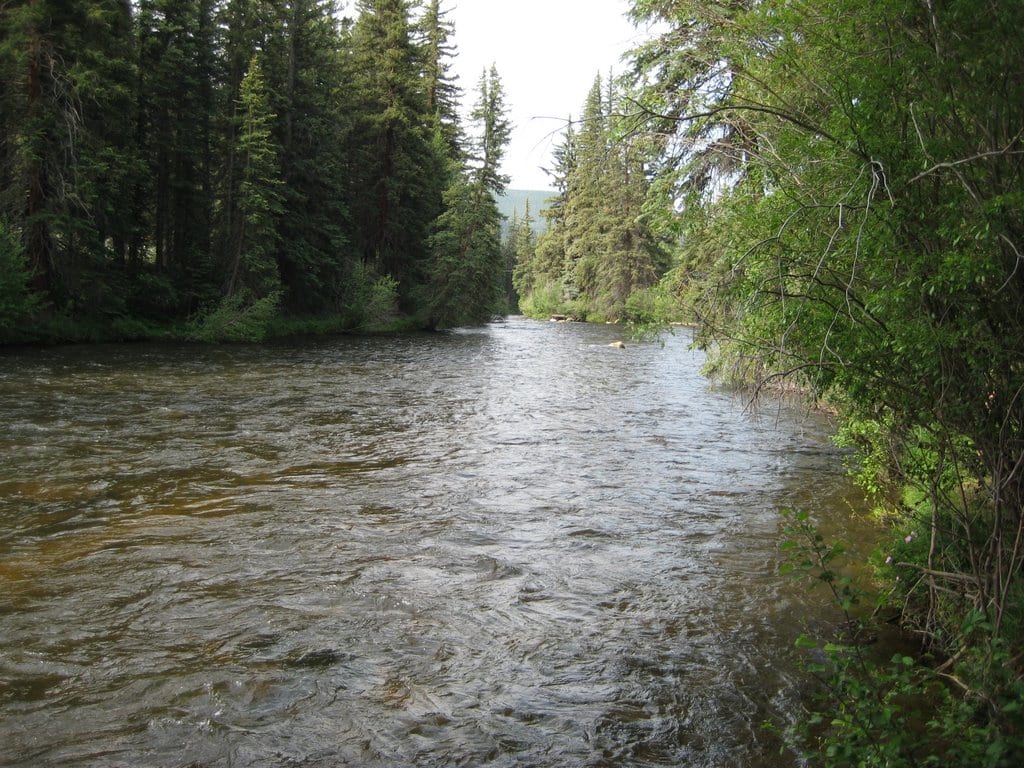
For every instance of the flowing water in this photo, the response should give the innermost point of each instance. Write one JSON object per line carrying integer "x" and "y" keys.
{"x": 509, "y": 546}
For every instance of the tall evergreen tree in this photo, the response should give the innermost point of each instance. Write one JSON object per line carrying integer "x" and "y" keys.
{"x": 252, "y": 250}
{"x": 586, "y": 210}
{"x": 398, "y": 174}
{"x": 518, "y": 248}
{"x": 242, "y": 26}
{"x": 493, "y": 133}
{"x": 599, "y": 248}
{"x": 176, "y": 107}
{"x": 65, "y": 161}
{"x": 306, "y": 81}
{"x": 443, "y": 93}
{"x": 546, "y": 274}
{"x": 468, "y": 270}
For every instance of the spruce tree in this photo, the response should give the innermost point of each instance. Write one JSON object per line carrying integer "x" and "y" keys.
{"x": 176, "y": 106}
{"x": 397, "y": 171}
{"x": 542, "y": 287}
{"x": 518, "y": 249}
{"x": 442, "y": 90}
{"x": 252, "y": 255}
{"x": 468, "y": 269}
{"x": 599, "y": 248}
{"x": 586, "y": 207}
{"x": 66, "y": 160}
{"x": 494, "y": 130}
{"x": 306, "y": 82}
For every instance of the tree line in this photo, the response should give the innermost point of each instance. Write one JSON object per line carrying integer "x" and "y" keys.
{"x": 230, "y": 162}
{"x": 600, "y": 255}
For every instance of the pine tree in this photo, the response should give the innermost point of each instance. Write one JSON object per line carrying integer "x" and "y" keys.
{"x": 546, "y": 274}
{"x": 586, "y": 207}
{"x": 599, "y": 248}
{"x": 397, "y": 171}
{"x": 176, "y": 107}
{"x": 493, "y": 133}
{"x": 306, "y": 77}
{"x": 442, "y": 90}
{"x": 66, "y": 162}
{"x": 519, "y": 249}
{"x": 243, "y": 28}
{"x": 252, "y": 262}
{"x": 38, "y": 111}
{"x": 468, "y": 269}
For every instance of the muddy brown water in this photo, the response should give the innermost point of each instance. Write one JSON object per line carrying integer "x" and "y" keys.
{"x": 507, "y": 546}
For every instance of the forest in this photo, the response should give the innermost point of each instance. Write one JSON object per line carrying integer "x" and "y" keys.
{"x": 228, "y": 170}
{"x": 832, "y": 191}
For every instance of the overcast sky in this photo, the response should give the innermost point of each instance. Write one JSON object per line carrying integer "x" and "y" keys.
{"x": 547, "y": 53}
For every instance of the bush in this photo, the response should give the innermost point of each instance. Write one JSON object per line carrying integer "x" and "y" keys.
{"x": 238, "y": 318}
{"x": 547, "y": 299}
{"x": 371, "y": 300}
{"x": 895, "y": 711}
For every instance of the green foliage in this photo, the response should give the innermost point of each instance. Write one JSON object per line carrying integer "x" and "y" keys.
{"x": 153, "y": 296}
{"x": 239, "y": 318}
{"x": 515, "y": 203}
{"x": 400, "y": 171}
{"x": 599, "y": 244}
{"x": 465, "y": 286}
{"x": 372, "y": 300}
{"x": 467, "y": 276}
{"x": 878, "y": 710}
{"x": 548, "y": 298}
{"x": 436, "y": 31}
{"x": 518, "y": 248}
{"x": 253, "y": 248}
{"x": 158, "y": 156}
{"x": 848, "y": 182}
{"x": 17, "y": 301}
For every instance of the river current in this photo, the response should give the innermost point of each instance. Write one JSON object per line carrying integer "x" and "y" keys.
{"x": 504, "y": 546}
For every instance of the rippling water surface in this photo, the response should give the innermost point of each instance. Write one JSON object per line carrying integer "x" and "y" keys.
{"x": 511, "y": 546}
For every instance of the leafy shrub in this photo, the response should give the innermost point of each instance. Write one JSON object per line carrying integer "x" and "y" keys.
{"x": 238, "y": 318}
{"x": 549, "y": 298}
{"x": 900, "y": 711}
{"x": 371, "y": 300}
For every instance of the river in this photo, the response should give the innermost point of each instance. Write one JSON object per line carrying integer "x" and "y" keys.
{"x": 505, "y": 546}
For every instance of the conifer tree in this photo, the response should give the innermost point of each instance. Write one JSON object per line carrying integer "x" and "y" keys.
{"x": 586, "y": 208}
{"x": 252, "y": 256}
{"x": 548, "y": 263}
{"x": 598, "y": 249}
{"x": 518, "y": 249}
{"x": 65, "y": 155}
{"x": 442, "y": 90}
{"x": 37, "y": 110}
{"x": 305, "y": 76}
{"x": 397, "y": 172}
{"x": 493, "y": 132}
{"x": 243, "y": 27}
{"x": 468, "y": 270}
{"x": 175, "y": 132}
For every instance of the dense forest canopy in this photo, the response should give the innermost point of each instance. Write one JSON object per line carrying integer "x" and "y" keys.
{"x": 229, "y": 162}
{"x": 833, "y": 190}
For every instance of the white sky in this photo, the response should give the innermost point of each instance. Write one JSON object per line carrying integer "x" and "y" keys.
{"x": 547, "y": 53}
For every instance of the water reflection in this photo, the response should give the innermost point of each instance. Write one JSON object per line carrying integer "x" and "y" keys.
{"x": 507, "y": 546}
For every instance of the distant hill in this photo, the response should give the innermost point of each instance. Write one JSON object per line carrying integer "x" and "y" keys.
{"x": 514, "y": 202}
